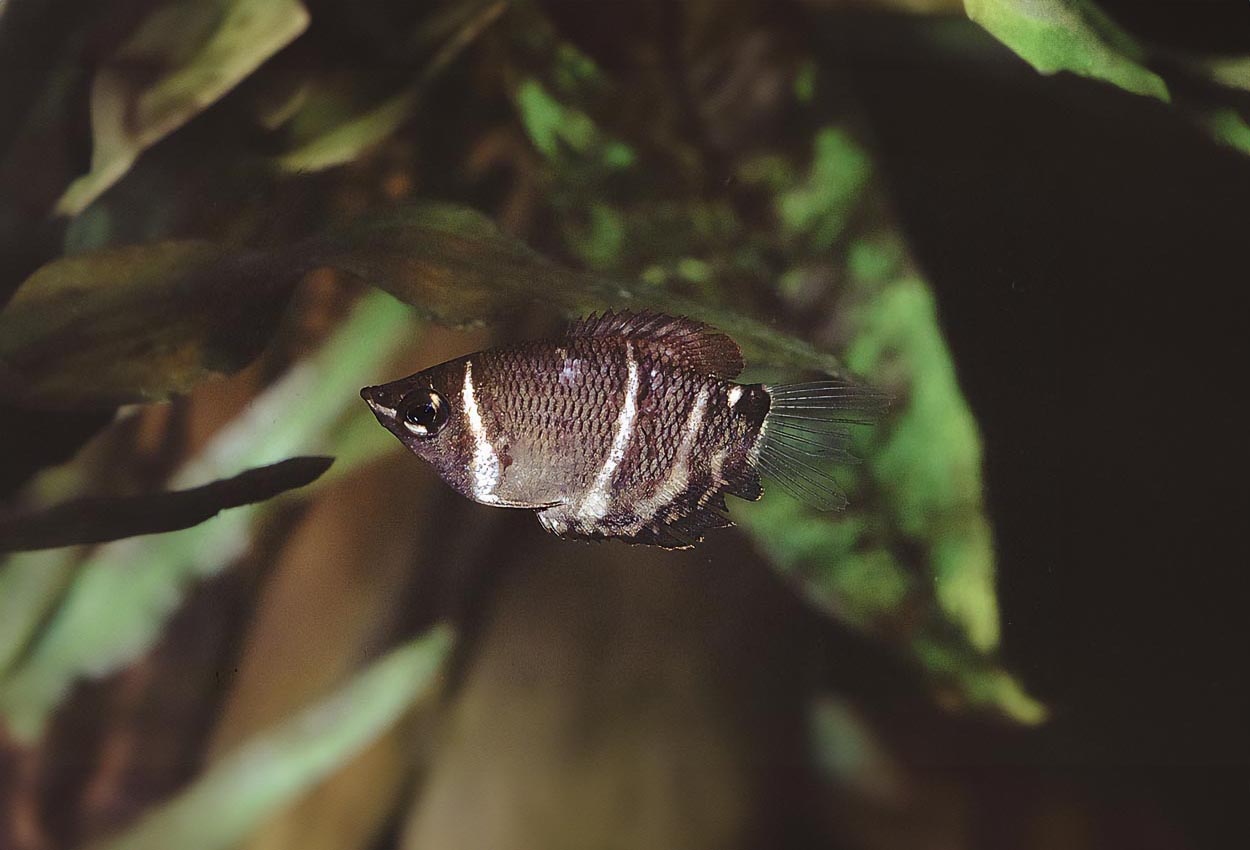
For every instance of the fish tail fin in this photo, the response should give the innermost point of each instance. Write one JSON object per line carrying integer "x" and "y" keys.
{"x": 806, "y": 428}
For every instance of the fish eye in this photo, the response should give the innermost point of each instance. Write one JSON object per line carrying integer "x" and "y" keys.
{"x": 423, "y": 412}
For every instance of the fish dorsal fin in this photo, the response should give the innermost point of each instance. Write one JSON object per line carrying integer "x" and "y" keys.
{"x": 694, "y": 344}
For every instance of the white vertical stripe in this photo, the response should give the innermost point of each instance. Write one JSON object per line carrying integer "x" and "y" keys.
{"x": 598, "y": 498}
{"x": 718, "y": 471}
{"x": 753, "y": 453}
{"x": 484, "y": 467}
{"x": 735, "y": 394}
{"x": 693, "y": 423}
{"x": 679, "y": 478}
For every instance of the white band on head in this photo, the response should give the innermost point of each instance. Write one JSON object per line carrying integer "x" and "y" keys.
{"x": 484, "y": 467}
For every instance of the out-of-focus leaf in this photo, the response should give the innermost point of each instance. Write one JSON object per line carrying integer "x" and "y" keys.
{"x": 327, "y": 134}
{"x": 137, "y": 323}
{"x": 454, "y": 265}
{"x": 97, "y": 520}
{"x": 220, "y": 808}
{"x": 181, "y": 60}
{"x": 847, "y": 750}
{"x": 819, "y": 208}
{"x": 1229, "y": 127}
{"x": 1231, "y": 71}
{"x": 966, "y": 677}
{"x": 145, "y": 322}
{"x": 929, "y": 464}
{"x": 30, "y": 586}
{"x": 347, "y": 136}
{"x": 1069, "y": 35}
{"x": 121, "y": 594}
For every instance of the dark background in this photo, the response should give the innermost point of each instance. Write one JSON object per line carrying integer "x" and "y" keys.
{"x": 1088, "y": 249}
{"x": 1089, "y": 252}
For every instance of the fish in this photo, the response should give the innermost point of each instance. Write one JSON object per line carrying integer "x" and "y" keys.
{"x": 629, "y": 426}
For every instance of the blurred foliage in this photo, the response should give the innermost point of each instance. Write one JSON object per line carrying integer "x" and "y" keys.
{"x": 73, "y": 614}
{"x": 248, "y": 158}
{"x": 225, "y": 805}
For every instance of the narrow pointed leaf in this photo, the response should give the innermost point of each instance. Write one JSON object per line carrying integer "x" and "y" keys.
{"x": 235, "y": 794}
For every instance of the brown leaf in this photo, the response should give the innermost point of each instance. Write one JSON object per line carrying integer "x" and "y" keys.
{"x": 97, "y": 520}
{"x": 145, "y": 322}
{"x": 183, "y": 58}
{"x": 136, "y": 324}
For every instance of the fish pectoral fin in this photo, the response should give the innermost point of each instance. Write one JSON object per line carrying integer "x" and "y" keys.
{"x": 557, "y": 519}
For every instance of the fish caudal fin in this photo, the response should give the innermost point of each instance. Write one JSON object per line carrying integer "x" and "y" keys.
{"x": 806, "y": 429}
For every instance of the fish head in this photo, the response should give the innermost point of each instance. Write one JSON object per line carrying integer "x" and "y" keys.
{"x": 423, "y": 412}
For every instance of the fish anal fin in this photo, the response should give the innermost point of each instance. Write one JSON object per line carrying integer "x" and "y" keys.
{"x": 745, "y": 485}
{"x": 692, "y": 343}
{"x": 683, "y": 525}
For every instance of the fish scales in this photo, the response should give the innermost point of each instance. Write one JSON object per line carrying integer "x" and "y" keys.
{"x": 569, "y": 398}
{"x": 629, "y": 427}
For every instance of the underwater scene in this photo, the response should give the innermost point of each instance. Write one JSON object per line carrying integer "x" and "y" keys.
{"x": 537, "y": 424}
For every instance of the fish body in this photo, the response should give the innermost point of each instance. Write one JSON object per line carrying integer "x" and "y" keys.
{"x": 630, "y": 426}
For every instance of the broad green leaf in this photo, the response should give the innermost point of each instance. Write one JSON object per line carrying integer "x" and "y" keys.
{"x": 181, "y": 60}
{"x": 75, "y": 616}
{"x": 220, "y": 808}
{"x": 1069, "y": 35}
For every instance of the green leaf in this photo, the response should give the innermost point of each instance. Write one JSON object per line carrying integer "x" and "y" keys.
{"x": 237, "y": 792}
{"x": 73, "y": 616}
{"x": 1069, "y": 35}
{"x": 180, "y": 61}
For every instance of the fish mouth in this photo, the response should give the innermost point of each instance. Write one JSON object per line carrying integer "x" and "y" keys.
{"x": 376, "y": 398}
